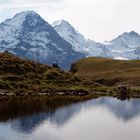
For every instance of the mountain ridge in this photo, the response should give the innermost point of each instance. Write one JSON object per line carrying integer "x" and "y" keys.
{"x": 78, "y": 41}
{"x": 35, "y": 39}
{"x": 124, "y": 46}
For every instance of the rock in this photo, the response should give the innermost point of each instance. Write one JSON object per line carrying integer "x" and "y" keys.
{"x": 60, "y": 93}
{"x": 2, "y": 94}
{"x": 42, "y": 94}
{"x": 11, "y": 94}
{"x": 123, "y": 92}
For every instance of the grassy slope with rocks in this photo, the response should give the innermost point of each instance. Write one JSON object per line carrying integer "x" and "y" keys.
{"x": 18, "y": 75}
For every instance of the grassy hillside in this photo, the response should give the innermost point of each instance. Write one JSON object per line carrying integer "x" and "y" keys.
{"x": 108, "y": 71}
{"x": 19, "y": 75}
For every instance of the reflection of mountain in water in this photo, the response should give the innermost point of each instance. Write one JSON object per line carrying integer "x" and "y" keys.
{"x": 58, "y": 117}
{"x": 27, "y": 124}
{"x": 125, "y": 110}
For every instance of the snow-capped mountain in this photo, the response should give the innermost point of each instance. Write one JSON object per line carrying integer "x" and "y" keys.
{"x": 126, "y": 46}
{"x": 29, "y": 36}
{"x": 131, "y": 39}
{"x": 78, "y": 41}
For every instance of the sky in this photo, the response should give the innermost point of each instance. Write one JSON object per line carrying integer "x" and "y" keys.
{"x": 99, "y": 20}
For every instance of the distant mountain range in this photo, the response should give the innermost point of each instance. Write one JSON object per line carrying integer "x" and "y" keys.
{"x": 125, "y": 46}
{"x": 78, "y": 41}
{"x": 28, "y": 35}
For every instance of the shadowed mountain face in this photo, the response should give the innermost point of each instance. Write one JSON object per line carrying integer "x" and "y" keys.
{"x": 122, "y": 110}
{"x": 29, "y": 36}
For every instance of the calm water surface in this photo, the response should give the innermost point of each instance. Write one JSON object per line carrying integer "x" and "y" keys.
{"x": 98, "y": 119}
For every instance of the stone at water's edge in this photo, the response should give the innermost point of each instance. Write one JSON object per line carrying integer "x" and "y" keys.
{"x": 124, "y": 91}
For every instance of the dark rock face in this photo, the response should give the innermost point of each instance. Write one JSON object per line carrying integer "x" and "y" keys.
{"x": 35, "y": 39}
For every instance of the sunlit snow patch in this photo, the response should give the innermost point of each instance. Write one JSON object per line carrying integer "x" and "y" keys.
{"x": 121, "y": 58}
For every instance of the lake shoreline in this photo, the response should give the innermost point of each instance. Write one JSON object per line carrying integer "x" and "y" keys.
{"x": 13, "y": 106}
{"x": 16, "y": 106}
{"x": 81, "y": 92}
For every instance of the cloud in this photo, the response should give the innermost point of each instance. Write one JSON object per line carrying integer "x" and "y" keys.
{"x": 26, "y": 3}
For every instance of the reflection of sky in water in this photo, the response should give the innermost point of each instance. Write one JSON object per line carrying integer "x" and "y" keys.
{"x": 100, "y": 119}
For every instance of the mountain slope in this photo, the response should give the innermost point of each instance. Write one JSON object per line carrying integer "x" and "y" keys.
{"x": 21, "y": 75}
{"x": 130, "y": 39}
{"x": 78, "y": 41}
{"x": 125, "y": 46}
{"x": 108, "y": 71}
{"x": 29, "y": 36}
